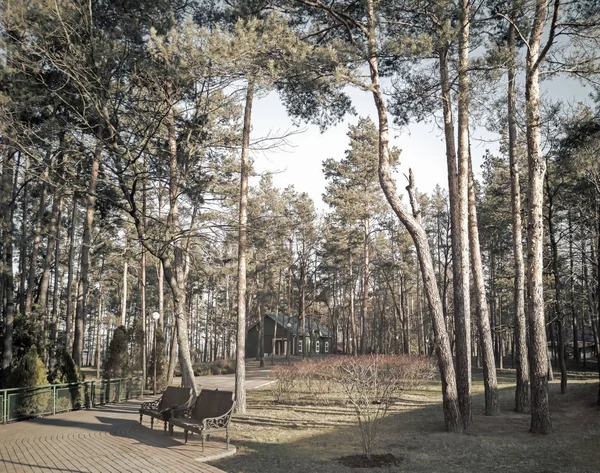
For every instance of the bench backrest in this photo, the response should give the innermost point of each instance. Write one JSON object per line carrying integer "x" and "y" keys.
{"x": 174, "y": 396}
{"x": 212, "y": 403}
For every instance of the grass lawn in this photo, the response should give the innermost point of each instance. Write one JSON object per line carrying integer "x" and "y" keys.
{"x": 300, "y": 436}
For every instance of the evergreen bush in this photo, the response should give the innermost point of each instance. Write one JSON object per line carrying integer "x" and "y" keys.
{"x": 30, "y": 372}
{"x": 116, "y": 363}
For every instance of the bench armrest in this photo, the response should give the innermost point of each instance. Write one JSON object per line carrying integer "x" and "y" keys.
{"x": 151, "y": 405}
{"x": 217, "y": 422}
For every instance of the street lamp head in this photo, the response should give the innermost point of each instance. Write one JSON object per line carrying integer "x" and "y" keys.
{"x": 155, "y": 316}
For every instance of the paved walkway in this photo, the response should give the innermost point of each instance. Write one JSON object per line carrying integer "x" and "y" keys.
{"x": 111, "y": 439}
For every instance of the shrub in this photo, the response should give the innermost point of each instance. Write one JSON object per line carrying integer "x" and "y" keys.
{"x": 213, "y": 368}
{"x": 29, "y": 372}
{"x": 287, "y": 378}
{"x": 67, "y": 372}
{"x": 370, "y": 384}
{"x": 115, "y": 364}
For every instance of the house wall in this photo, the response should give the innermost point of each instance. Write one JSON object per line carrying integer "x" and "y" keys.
{"x": 269, "y": 329}
{"x": 282, "y": 332}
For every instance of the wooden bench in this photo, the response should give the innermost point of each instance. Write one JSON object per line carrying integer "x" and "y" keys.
{"x": 163, "y": 408}
{"x": 211, "y": 412}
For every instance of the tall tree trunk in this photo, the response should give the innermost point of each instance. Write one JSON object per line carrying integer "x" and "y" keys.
{"x": 483, "y": 318}
{"x": 463, "y": 317}
{"x": 240, "y": 370}
{"x": 84, "y": 263}
{"x": 574, "y": 326}
{"x": 598, "y": 289}
{"x": 353, "y": 331}
{"x": 143, "y": 314}
{"x": 522, "y": 394}
{"x": 23, "y": 274}
{"x": 55, "y": 294}
{"x": 452, "y": 416}
{"x": 161, "y": 295}
{"x": 99, "y": 322}
{"x": 37, "y": 238}
{"x": 365, "y": 287}
{"x": 174, "y": 264}
{"x": 143, "y": 293}
{"x": 124, "y": 286}
{"x": 558, "y": 312}
{"x": 7, "y": 228}
{"x": 540, "y": 408}
{"x": 45, "y": 281}
{"x": 70, "y": 275}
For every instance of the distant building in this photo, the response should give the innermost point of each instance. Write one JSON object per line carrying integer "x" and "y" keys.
{"x": 315, "y": 338}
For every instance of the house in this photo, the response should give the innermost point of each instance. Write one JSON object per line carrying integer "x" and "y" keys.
{"x": 289, "y": 339}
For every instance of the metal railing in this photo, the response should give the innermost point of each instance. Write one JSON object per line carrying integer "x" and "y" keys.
{"x": 24, "y": 403}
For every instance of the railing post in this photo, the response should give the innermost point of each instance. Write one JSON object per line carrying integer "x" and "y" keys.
{"x": 53, "y": 399}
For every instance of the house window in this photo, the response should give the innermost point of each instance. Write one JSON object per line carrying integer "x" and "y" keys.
{"x": 318, "y": 346}
{"x": 326, "y": 347}
{"x": 299, "y": 346}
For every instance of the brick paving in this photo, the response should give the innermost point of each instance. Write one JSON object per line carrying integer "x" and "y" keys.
{"x": 111, "y": 439}
{"x": 103, "y": 439}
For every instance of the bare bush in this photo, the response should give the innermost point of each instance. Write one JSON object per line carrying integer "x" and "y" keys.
{"x": 370, "y": 384}
{"x": 287, "y": 379}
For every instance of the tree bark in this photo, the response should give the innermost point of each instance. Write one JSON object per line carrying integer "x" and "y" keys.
{"x": 70, "y": 274}
{"x": 37, "y": 238}
{"x": 483, "y": 317}
{"x": 452, "y": 416}
{"x": 558, "y": 311}
{"x": 240, "y": 370}
{"x": 540, "y": 408}
{"x": 522, "y": 394}
{"x": 45, "y": 281}
{"x": 463, "y": 316}
{"x": 124, "y": 286}
{"x": 86, "y": 243}
{"x": 7, "y": 228}
{"x": 353, "y": 332}
{"x": 174, "y": 264}
{"x": 365, "y": 287}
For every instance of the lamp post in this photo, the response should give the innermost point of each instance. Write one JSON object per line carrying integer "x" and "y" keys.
{"x": 155, "y": 316}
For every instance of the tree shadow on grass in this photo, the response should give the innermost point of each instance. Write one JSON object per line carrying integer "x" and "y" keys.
{"x": 416, "y": 433}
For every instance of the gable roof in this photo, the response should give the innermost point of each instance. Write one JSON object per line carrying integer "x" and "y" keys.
{"x": 311, "y": 325}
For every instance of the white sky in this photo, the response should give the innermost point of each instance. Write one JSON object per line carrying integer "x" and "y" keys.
{"x": 423, "y": 149}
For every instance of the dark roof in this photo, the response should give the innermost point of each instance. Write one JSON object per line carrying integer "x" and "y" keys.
{"x": 311, "y": 325}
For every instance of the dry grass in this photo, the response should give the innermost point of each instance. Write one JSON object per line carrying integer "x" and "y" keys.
{"x": 303, "y": 437}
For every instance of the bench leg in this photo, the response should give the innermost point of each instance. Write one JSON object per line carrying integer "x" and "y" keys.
{"x": 165, "y": 426}
{"x": 227, "y": 437}
{"x": 171, "y": 429}
{"x": 151, "y": 422}
{"x": 203, "y": 441}
{"x": 186, "y": 435}
{"x": 141, "y": 415}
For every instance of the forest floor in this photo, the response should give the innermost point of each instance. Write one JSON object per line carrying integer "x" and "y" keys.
{"x": 300, "y": 436}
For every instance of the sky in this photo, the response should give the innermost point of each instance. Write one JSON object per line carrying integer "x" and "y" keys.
{"x": 299, "y": 162}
